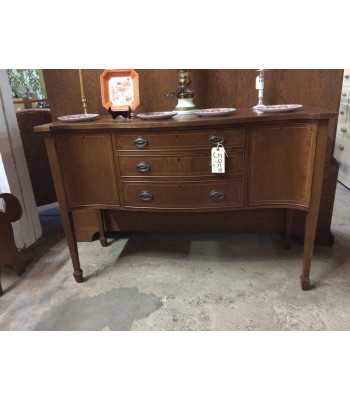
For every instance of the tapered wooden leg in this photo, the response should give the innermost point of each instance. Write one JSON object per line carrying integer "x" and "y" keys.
{"x": 288, "y": 232}
{"x": 103, "y": 240}
{"x": 309, "y": 239}
{"x": 312, "y": 216}
{"x": 305, "y": 282}
{"x": 68, "y": 225}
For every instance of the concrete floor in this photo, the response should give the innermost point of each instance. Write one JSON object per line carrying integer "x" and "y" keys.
{"x": 181, "y": 282}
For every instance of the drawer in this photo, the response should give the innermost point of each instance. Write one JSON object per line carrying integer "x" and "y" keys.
{"x": 184, "y": 165}
{"x": 188, "y": 195}
{"x": 190, "y": 140}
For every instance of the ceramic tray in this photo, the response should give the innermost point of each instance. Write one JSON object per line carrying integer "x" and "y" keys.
{"x": 277, "y": 108}
{"x": 120, "y": 89}
{"x": 78, "y": 117}
{"x": 157, "y": 115}
{"x": 213, "y": 112}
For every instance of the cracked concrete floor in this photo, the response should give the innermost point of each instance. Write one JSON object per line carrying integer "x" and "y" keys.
{"x": 182, "y": 282}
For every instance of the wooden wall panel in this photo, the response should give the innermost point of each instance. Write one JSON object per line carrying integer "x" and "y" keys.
{"x": 213, "y": 88}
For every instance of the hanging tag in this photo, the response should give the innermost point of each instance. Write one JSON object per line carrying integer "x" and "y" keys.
{"x": 259, "y": 83}
{"x": 218, "y": 159}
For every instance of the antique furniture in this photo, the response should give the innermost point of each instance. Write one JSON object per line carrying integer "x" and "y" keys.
{"x": 138, "y": 171}
{"x": 10, "y": 211}
{"x": 342, "y": 141}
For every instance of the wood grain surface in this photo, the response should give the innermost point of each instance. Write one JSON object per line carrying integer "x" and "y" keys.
{"x": 213, "y": 88}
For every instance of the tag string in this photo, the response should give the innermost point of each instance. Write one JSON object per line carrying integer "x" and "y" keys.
{"x": 217, "y": 148}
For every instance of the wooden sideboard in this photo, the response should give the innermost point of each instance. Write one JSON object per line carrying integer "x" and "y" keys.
{"x": 130, "y": 169}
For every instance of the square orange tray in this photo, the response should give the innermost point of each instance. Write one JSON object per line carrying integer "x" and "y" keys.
{"x": 120, "y": 89}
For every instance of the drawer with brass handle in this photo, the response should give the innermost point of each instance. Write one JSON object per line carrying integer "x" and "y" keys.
{"x": 187, "y": 195}
{"x": 177, "y": 165}
{"x": 192, "y": 140}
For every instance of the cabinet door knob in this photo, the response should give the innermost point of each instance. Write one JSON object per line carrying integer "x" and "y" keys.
{"x": 145, "y": 195}
{"x": 216, "y": 194}
{"x": 341, "y": 147}
{"x": 341, "y": 112}
{"x": 346, "y": 76}
{"x": 140, "y": 142}
{"x": 143, "y": 166}
{"x": 344, "y": 94}
{"x": 343, "y": 129}
{"x": 215, "y": 139}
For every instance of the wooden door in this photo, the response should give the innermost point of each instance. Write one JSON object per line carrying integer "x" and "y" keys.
{"x": 281, "y": 165}
{"x": 88, "y": 169}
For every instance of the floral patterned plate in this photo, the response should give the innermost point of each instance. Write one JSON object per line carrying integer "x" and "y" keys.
{"x": 157, "y": 115}
{"x": 213, "y": 112}
{"x": 78, "y": 117}
{"x": 277, "y": 108}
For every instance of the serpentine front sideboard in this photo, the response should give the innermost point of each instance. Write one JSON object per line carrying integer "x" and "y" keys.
{"x": 136, "y": 167}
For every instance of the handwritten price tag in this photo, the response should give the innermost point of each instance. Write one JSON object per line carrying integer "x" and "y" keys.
{"x": 218, "y": 160}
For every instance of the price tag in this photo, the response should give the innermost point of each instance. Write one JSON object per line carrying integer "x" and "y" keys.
{"x": 218, "y": 159}
{"x": 259, "y": 83}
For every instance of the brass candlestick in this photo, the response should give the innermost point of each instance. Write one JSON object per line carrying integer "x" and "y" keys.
{"x": 82, "y": 90}
{"x": 83, "y": 99}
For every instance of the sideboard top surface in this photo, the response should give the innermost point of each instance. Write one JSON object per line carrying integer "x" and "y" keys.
{"x": 241, "y": 116}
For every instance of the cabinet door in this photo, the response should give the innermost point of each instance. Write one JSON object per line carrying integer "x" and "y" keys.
{"x": 281, "y": 165}
{"x": 88, "y": 170}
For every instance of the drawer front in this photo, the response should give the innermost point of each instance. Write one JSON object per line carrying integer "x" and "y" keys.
{"x": 191, "y": 140}
{"x": 186, "y": 165}
{"x": 189, "y": 195}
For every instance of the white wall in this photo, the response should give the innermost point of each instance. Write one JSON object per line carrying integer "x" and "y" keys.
{"x": 14, "y": 175}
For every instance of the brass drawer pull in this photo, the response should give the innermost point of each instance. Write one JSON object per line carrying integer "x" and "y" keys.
{"x": 145, "y": 195}
{"x": 343, "y": 129}
{"x": 142, "y": 166}
{"x": 140, "y": 142}
{"x": 216, "y": 194}
{"x": 341, "y": 147}
{"x": 215, "y": 139}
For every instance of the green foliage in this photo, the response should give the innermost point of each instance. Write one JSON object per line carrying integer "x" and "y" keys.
{"x": 25, "y": 77}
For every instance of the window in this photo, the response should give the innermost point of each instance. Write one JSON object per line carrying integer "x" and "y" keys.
{"x": 27, "y": 81}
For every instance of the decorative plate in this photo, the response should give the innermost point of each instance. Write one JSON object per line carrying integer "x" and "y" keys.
{"x": 276, "y": 108}
{"x": 78, "y": 117}
{"x": 157, "y": 115}
{"x": 213, "y": 112}
{"x": 120, "y": 88}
